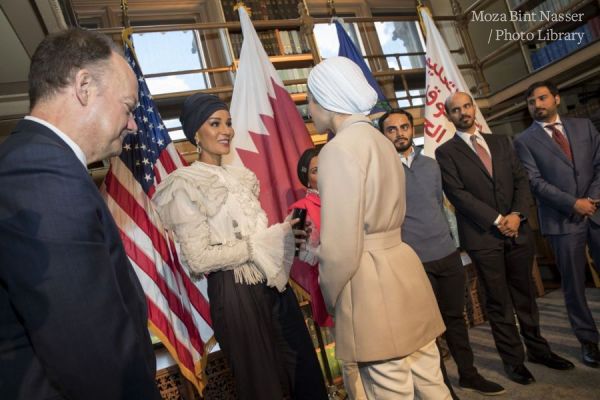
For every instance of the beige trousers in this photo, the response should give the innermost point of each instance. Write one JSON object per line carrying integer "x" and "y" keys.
{"x": 416, "y": 376}
{"x": 352, "y": 381}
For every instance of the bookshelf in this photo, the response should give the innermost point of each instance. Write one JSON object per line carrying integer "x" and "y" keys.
{"x": 263, "y": 10}
{"x": 276, "y": 42}
{"x": 283, "y": 45}
{"x": 553, "y": 29}
{"x": 290, "y": 48}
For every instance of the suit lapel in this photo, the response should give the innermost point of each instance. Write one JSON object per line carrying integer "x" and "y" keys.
{"x": 470, "y": 154}
{"x": 542, "y": 137}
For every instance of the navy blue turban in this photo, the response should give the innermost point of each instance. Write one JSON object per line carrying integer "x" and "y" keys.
{"x": 196, "y": 110}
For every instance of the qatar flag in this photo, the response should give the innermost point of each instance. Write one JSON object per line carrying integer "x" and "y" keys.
{"x": 270, "y": 134}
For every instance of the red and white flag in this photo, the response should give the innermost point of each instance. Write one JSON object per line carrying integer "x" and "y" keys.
{"x": 270, "y": 134}
{"x": 442, "y": 79}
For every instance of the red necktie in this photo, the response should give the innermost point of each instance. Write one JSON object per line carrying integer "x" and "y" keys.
{"x": 560, "y": 140}
{"x": 483, "y": 155}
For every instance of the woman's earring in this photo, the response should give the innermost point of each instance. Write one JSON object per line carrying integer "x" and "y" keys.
{"x": 198, "y": 148}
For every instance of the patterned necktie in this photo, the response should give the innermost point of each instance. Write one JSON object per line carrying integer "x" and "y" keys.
{"x": 483, "y": 155}
{"x": 560, "y": 140}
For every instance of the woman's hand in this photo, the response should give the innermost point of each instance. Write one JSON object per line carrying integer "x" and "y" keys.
{"x": 301, "y": 235}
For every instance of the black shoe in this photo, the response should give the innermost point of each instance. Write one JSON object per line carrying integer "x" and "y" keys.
{"x": 590, "y": 355}
{"x": 479, "y": 384}
{"x": 552, "y": 360}
{"x": 519, "y": 374}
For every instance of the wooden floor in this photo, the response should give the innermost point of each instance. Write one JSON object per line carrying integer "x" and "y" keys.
{"x": 581, "y": 383}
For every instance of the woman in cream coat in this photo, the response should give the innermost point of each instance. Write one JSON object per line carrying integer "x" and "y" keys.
{"x": 385, "y": 311}
{"x": 214, "y": 212}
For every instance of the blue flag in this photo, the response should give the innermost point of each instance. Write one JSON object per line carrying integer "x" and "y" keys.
{"x": 349, "y": 50}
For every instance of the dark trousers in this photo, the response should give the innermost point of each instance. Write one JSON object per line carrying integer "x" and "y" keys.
{"x": 505, "y": 273}
{"x": 447, "y": 277}
{"x": 569, "y": 250}
{"x": 263, "y": 335}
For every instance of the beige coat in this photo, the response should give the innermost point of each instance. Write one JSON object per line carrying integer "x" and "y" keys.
{"x": 383, "y": 303}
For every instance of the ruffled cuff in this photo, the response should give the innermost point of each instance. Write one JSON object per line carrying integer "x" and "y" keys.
{"x": 272, "y": 250}
{"x": 309, "y": 255}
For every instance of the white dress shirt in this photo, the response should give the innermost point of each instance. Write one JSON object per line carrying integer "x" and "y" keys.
{"x": 466, "y": 137}
{"x": 558, "y": 126}
{"x": 408, "y": 160}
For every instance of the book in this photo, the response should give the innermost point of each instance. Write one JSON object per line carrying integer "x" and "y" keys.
{"x": 296, "y": 46}
{"x": 285, "y": 39}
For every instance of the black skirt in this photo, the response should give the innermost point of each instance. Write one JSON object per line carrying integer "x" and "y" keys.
{"x": 263, "y": 335}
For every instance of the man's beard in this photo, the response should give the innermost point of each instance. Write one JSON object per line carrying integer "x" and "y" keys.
{"x": 405, "y": 147}
{"x": 541, "y": 114}
{"x": 465, "y": 125}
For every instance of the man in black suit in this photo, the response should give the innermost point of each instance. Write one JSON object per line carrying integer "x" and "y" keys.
{"x": 73, "y": 314}
{"x": 562, "y": 158}
{"x": 484, "y": 180}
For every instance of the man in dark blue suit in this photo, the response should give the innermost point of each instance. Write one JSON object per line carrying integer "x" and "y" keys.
{"x": 73, "y": 315}
{"x": 562, "y": 158}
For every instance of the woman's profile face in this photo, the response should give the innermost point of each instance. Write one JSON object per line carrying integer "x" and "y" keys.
{"x": 313, "y": 169}
{"x": 215, "y": 134}
{"x": 318, "y": 114}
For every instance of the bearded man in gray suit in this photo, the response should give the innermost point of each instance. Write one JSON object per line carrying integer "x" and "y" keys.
{"x": 562, "y": 157}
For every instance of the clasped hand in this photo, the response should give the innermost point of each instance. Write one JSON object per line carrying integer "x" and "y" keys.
{"x": 509, "y": 225}
{"x": 585, "y": 207}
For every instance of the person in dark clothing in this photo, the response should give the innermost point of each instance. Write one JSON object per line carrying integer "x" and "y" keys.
{"x": 73, "y": 315}
{"x": 487, "y": 185}
{"x": 562, "y": 157}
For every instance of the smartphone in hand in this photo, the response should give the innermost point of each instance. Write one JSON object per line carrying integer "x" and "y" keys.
{"x": 301, "y": 214}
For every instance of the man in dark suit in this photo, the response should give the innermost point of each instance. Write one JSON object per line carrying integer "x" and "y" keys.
{"x": 73, "y": 315}
{"x": 562, "y": 157}
{"x": 484, "y": 180}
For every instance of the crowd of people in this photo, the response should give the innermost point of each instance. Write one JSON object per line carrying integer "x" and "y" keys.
{"x": 376, "y": 253}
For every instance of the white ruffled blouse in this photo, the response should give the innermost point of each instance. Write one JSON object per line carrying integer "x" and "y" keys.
{"x": 218, "y": 221}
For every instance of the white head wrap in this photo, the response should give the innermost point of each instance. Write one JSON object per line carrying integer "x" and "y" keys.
{"x": 339, "y": 85}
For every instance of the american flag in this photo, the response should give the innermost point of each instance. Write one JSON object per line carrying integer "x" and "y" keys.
{"x": 178, "y": 310}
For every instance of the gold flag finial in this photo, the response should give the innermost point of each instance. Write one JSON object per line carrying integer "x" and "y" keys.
{"x": 331, "y": 7}
{"x": 125, "y": 13}
{"x": 241, "y": 4}
{"x": 420, "y": 7}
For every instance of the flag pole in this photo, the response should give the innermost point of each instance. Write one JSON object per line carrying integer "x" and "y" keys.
{"x": 420, "y": 7}
{"x": 125, "y": 13}
{"x": 331, "y": 7}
